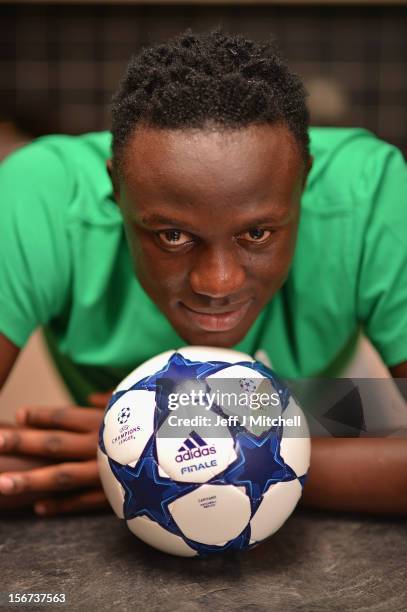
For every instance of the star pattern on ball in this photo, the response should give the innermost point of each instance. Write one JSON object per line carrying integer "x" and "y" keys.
{"x": 178, "y": 370}
{"x": 146, "y": 492}
{"x": 302, "y": 479}
{"x": 236, "y": 544}
{"x": 258, "y": 465}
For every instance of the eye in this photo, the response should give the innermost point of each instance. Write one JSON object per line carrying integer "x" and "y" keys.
{"x": 256, "y": 234}
{"x": 173, "y": 237}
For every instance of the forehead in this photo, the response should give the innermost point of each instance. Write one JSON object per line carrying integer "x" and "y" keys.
{"x": 202, "y": 166}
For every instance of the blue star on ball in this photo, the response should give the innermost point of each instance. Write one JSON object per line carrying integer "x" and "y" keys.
{"x": 259, "y": 464}
{"x": 146, "y": 492}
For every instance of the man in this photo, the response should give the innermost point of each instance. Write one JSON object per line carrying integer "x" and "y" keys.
{"x": 212, "y": 230}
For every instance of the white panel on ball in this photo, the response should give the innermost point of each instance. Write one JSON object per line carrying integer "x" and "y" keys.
{"x": 212, "y": 514}
{"x": 129, "y": 424}
{"x": 112, "y": 488}
{"x": 152, "y": 533}
{"x": 239, "y": 372}
{"x": 277, "y": 504}
{"x": 244, "y": 387}
{"x": 192, "y": 457}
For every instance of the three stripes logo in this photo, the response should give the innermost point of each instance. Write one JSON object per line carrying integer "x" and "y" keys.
{"x": 193, "y": 447}
{"x": 194, "y": 440}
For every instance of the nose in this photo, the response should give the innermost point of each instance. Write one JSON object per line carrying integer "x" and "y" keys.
{"x": 217, "y": 273}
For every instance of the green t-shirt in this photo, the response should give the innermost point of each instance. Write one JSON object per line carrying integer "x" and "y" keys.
{"x": 65, "y": 264}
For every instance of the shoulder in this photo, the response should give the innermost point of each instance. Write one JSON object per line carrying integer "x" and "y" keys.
{"x": 350, "y": 163}
{"x": 56, "y": 157}
{"x": 340, "y": 144}
{"x": 354, "y": 173}
{"x": 92, "y": 146}
{"x": 61, "y": 172}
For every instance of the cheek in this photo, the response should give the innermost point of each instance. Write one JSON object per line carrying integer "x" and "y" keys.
{"x": 272, "y": 266}
{"x": 157, "y": 269}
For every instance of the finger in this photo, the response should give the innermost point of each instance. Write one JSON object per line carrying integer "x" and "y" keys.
{"x": 71, "y": 418}
{"x": 61, "y": 477}
{"x": 82, "y": 502}
{"x": 7, "y": 424}
{"x": 100, "y": 400}
{"x": 55, "y": 444}
{"x": 18, "y": 463}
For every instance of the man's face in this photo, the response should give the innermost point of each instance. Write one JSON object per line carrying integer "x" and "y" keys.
{"x": 211, "y": 219}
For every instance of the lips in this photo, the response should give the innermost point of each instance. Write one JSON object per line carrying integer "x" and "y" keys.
{"x": 216, "y": 321}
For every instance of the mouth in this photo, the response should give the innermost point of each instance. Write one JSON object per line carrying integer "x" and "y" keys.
{"x": 217, "y": 320}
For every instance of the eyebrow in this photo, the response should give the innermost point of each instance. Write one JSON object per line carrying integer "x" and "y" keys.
{"x": 176, "y": 223}
{"x": 160, "y": 220}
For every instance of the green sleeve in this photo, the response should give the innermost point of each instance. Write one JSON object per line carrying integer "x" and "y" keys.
{"x": 382, "y": 286}
{"x": 34, "y": 250}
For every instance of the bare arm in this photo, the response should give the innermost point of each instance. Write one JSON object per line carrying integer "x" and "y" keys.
{"x": 359, "y": 474}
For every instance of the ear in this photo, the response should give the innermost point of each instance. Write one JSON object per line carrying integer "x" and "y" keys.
{"x": 114, "y": 180}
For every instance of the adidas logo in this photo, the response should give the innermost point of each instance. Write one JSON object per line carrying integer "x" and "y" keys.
{"x": 194, "y": 440}
{"x": 192, "y": 447}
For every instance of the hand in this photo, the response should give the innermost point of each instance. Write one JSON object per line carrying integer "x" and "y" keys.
{"x": 67, "y": 439}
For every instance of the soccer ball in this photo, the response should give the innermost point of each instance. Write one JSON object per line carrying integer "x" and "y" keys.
{"x": 203, "y": 450}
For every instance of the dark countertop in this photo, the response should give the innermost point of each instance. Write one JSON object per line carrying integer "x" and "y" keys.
{"x": 316, "y": 562}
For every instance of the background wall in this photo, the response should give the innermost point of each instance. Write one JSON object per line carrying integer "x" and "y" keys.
{"x": 60, "y": 64}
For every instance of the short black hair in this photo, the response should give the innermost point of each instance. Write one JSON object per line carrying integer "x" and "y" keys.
{"x": 199, "y": 79}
